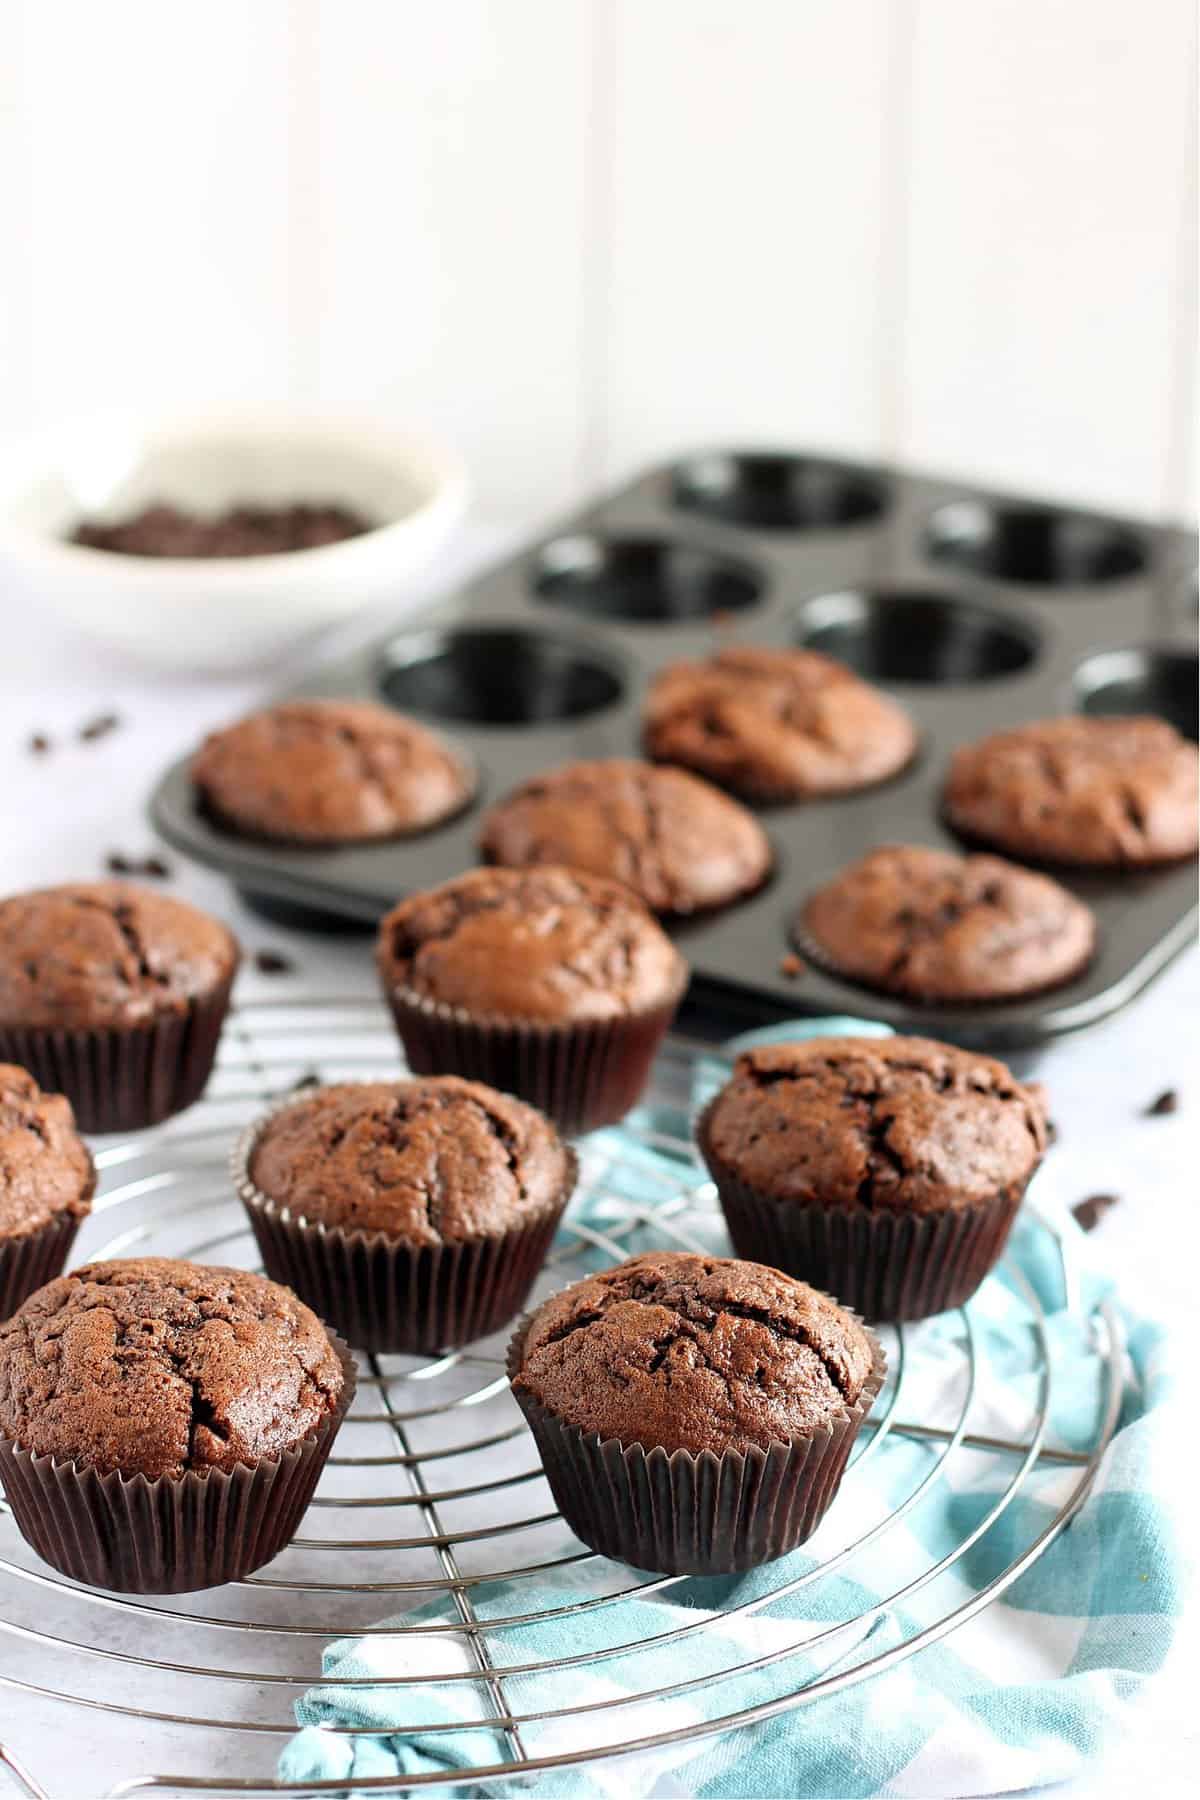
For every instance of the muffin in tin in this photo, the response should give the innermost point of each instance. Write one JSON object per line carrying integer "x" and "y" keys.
{"x": 115, "y": 996}
{"x": 412, "y": 1215}
{"x": 47, "y": 1179}
{"x": 330, "y": 772}
{"x": 163, "y": 1424}
{"x": 776, "y": 725}
{"x": 935, "y": 927}
{"x": 547, "y": 983}
{"x": 693, "y": 1414}
{"x": 887, "y": 1171}
{"x": 679, "y": 843}
{"x": 1100, "y": 792}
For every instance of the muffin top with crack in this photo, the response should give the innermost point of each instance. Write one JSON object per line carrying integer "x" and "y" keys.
{"x": 901, "y": 1124}
{"x": 544, "y": 943}
{"x": 329, "y": 772}
{"x": 431, "y": 1161}
{"x": 776, "y": 725}
{"x": 932, "y": 925}
{"x": 46, "y": 1168}
{"x": 1099, "y": 791}
{"x": 106, "y": 953}
{"x": 695, "y": 1353}
{"x": 157, "y": 1367}
{"x": 676, "y": 841}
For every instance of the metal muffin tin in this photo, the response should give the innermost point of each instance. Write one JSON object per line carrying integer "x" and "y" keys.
{"x": 975, "y": 610}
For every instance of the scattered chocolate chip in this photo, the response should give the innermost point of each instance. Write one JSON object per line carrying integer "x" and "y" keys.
{"x": 1088, "y": 1213}
{"x": 271, "y": 962}
{"x": 791, "y": 966}
{"x": 39, "y": 744}
{"x": 309, "y": 1079}
{"x": 161, "y": 530}
{"x": 152, "y": 867}
{"x": 1167, "y": 1102}
{"x": 98, "y": 727}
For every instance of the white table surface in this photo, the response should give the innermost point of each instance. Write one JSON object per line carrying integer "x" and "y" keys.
{"x": 63, "y": 812}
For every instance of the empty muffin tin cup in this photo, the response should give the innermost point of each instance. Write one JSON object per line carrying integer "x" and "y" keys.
{"x": 384, "y": 1295}
{"x": 774, "y": 492}
{"x": 642, "y": 580}
{"x": 498, "y": 675}
{"x": 174, "y": 1534}
{"x": 1038, "y": 546}
{"x": 679, "y": 1513}
{"x": 1140, "y": 679}
{"x": 921, "y": 637}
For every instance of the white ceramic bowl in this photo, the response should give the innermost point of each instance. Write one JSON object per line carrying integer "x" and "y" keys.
{"x": 224, "y": 612}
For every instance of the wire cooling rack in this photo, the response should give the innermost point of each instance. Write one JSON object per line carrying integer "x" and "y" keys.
{"x": 433, "y": 1535}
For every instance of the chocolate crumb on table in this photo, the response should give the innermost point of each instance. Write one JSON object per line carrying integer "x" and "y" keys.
{"x": 1166, "y": 1102}
{"x": 117, "y": 863}
{"x": 98, "y": 727}
{"x": 792, "y": 966}
{"x": 273, "y": 962}
{"x": 1088, "y": 1213}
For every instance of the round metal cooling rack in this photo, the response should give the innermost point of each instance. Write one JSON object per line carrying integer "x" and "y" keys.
{"x": 433, "y": 1536}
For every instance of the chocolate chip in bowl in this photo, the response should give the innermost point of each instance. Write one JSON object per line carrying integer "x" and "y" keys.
{"x": 162, "y": 530}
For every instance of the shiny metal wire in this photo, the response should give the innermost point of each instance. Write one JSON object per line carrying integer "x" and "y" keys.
{"x": 437, "y": 1451}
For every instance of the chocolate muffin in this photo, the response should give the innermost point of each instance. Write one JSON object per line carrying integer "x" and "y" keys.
{"x": 1097, "y": 791}
{"x": 115, "y": 996}
{"x": 47, "y": 1179}
{"x": 776, "y": 725}
{"x": 329, "y": 772}
{"x": 222, "y": 1391}
{"x": 694, "y": 1414}
{"x": 887, "y": 1171}
{"x": 936, "y": 927}
{"x": 413, "y": 1215}
{"x": 681, "y": 845}
{"x": 544, "y": 982}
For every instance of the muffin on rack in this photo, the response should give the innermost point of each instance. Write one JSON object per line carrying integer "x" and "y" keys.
{"x": 115, "y": 996}
{"x": 163, "y": 1424}
{"x": 937, "y": 927}
{"x": 887, "y": 1171}
{"x": 47, "y": 1178}
{"x": 330, "y": 772}
{"x": 680, "y": 844}
{"x": 776, "y": 724}
{"x": 548, "y": 983}
{"x": 412, "y": 1215}
{"x": 1101, "y": 792}
{"x": 693, "y": 1414}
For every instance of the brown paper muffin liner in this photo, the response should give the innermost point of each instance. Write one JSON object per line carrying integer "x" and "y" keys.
{"x": 385, "y": 1295}
{"x": 121, "y": 1078}
{"x": 30, "y": 1261}
{"x": 683, "y": 1514}
{"x": 889, "y": 1267}
{"x": 583, "y": 1074}
{"x": 177, "y": 1533}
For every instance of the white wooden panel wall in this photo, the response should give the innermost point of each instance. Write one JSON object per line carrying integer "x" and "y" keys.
{"x": 568, "y": 234}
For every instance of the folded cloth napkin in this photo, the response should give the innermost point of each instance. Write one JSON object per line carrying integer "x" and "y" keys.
{"x": 1024, "y": 1692}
